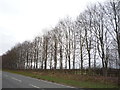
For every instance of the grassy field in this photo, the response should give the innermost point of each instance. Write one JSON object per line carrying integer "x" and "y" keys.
{"x": 81, "y": 81}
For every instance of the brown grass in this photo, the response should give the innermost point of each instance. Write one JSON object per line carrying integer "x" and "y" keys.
{"x": 68, "y": 78}
{"x": 78, "y": 77}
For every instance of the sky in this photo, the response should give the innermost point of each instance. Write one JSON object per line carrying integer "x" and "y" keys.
{"x": 22, "y": 20}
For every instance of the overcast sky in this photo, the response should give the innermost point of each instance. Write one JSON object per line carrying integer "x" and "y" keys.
{"x": 22, "y": 20}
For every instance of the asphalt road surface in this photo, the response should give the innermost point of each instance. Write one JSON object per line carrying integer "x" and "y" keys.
{"x": 10, "y": 80}
{"x": 0, "y": 79}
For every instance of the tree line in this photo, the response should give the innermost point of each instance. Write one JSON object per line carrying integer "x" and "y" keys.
{"x": 90, "y": 41}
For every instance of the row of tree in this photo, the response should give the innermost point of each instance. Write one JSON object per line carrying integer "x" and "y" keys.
{"x": 90, "y": 41}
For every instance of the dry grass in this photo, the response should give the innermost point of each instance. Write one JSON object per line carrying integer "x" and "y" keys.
{"x": 77, "y": 80}
{"x": 78, "y": 77}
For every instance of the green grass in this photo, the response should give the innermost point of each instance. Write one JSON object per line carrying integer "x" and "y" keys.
{"x": 77, "y": 83}
{"x": 81, "y": 84}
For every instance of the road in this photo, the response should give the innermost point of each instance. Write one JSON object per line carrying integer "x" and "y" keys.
{"x": 10, "y": 80}
{"x": 0, "y": 79}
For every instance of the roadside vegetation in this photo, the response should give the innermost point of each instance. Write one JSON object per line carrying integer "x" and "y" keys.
{"x": 84, "y": 52}
{"x": 75, "y": 80}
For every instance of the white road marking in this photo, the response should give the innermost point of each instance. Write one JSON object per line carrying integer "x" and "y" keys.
{"x": 16, "y": 79}
{"x": 56, "y": 83}
{"x": 50, "y": 82}
{"x": 34, "y": 86}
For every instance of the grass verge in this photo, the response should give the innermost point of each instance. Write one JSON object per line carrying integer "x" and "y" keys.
{"x": 65, "y": 81}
